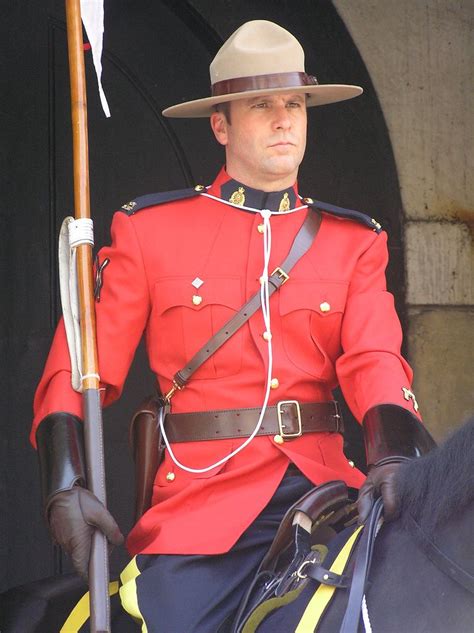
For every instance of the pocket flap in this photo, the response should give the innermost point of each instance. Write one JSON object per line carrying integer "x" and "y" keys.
{"x": 179, "y": 291}
{"x": 325, "y": 298}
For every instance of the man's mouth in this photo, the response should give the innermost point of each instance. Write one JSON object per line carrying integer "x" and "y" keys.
{"x": 281, "y": 144}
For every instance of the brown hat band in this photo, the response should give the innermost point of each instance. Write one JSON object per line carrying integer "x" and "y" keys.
{"x": 262, "y": 82}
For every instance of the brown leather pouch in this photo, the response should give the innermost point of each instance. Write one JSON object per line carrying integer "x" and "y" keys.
{"x": 147, "y": 449}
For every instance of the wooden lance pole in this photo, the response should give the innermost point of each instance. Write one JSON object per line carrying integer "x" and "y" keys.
{"x": 94, "y": 446}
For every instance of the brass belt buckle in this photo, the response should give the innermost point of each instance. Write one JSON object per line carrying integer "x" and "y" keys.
{"x": 281, "y": 425}
{"x": 283, "y": 278}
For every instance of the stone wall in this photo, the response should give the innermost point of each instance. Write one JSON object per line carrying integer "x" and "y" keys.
{"x": 420, "y": 56}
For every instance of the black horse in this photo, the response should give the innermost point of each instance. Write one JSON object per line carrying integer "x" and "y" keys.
{"x": 422, "y": 574}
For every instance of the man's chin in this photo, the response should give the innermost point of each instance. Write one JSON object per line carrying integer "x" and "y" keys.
{"x": 283, "y": 167}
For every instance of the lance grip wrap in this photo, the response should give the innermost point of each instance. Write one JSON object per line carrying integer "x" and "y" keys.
{"x": 60, "y": 440}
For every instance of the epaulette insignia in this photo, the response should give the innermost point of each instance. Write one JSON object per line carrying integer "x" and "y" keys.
{"x": 350, "y": 214}
{"x": 153, "y": 199}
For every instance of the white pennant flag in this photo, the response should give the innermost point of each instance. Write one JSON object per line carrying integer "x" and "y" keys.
{"x": 92, "y": 12}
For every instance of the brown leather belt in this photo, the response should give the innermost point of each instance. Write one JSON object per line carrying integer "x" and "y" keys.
{"x": 287, "y": 419}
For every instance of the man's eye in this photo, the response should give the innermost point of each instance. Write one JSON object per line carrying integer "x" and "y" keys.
{"x": 260, "y": 105}
{"x": 294, "y": 104}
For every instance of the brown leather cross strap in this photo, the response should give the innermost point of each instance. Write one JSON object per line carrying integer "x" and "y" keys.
{"x": 288, "y": 418}
{"x": 301, "y": 244}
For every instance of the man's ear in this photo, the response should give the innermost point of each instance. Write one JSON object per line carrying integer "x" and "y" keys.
{"x": 219, "y": 124}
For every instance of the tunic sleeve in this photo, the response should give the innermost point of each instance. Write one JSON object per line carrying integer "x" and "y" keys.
{"x": 371, "y": 370}
{"x": 121, "y": 316}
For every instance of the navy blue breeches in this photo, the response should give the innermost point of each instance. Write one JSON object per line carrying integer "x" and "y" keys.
{"x": 200, "y": 594}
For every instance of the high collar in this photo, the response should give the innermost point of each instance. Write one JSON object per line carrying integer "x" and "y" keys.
{"x": 240, "y": 194}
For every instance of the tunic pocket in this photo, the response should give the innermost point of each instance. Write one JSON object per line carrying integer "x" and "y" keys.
{"x": 171, "y": 479}
{"x": 184, "y": 318}
{"x": 311, "y": 314}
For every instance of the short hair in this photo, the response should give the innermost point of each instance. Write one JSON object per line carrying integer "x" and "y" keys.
{"x": 225, "y": 109}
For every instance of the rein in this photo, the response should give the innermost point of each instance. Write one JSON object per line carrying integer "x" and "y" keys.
{"x": 439, "y": 558}
{"x": 350, "y": 623}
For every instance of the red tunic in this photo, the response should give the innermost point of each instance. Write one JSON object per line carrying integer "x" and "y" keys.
{"x": 154, "y": 257}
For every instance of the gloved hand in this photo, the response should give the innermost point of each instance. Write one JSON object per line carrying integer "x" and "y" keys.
{"x": 380, "y": 482}
{"x": 392, "y": 435}
{"x": 73, "y": 515}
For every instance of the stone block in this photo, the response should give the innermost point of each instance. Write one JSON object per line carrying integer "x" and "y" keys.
{"x": 441, "y": 352}
{"x": 439, "y": 263}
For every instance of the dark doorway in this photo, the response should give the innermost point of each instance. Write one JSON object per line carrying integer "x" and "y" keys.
{"x": 157, "y": 54}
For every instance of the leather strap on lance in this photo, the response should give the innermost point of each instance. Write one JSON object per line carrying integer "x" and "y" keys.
{"x": 300, "y": 246}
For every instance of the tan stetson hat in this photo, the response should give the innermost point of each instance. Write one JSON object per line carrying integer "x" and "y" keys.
{"x": 260, "y": 58}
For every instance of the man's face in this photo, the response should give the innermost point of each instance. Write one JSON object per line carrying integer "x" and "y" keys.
{"x": 265, "y": 139}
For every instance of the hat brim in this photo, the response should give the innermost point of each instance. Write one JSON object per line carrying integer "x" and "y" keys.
{"x": 317, "y": 95}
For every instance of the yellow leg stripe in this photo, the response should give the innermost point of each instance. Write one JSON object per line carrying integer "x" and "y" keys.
{"x": 324, "y": 593}
{"x": 128, "y": 592}
{"x": 81, "y": 612}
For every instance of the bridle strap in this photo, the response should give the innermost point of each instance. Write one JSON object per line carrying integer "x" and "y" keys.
{"x": 439, "y": 558}
{"x": 363, "y": 560}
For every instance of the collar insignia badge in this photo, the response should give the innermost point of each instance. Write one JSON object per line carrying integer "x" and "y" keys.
{"x": 129, "y": 206}
{"x": 284, "y": 203}
{"x": 238, "y": 197}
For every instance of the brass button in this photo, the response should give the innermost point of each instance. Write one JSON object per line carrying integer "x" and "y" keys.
{"x": 351, "y": 463}
{"x": 197, "y": 300}
{"x": 261, "y": 228}
{"x": 308, "y": 200}
{"x": 170, "y": 476}
{"x": 274, "y": 383}
{"x": 324, "y": 306}
{"x": 278, "y": 439}
{"x": 199, "y": 188}
{"x": 261, "y": 280}
{"x": 267, "y": 336}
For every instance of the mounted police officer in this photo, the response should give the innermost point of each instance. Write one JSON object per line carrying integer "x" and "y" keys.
{"x": 254, "y": 427}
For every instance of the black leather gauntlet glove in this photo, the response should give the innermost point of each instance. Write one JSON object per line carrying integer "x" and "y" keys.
{"x": 73, "y": 512}
{"x": 392, "y": 435}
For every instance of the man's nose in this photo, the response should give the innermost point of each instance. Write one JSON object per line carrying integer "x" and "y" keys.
{"x": 282, "y": 119}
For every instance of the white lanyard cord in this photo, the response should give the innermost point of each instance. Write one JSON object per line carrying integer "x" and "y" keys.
{"x": 265, "y": 300}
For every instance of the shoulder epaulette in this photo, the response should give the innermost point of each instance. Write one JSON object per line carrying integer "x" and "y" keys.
{"x": 152, "y": 199}
{"x": 349, "y": 214}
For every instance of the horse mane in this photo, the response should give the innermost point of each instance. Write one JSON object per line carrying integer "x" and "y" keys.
{"x": 440, "y": 484}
